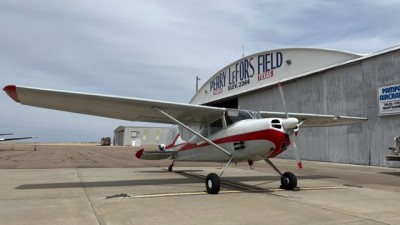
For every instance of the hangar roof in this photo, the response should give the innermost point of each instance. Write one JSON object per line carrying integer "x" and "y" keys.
{"x": 267, "y": 68}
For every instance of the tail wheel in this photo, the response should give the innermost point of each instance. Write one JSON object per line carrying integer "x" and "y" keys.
{"x": 213, "y": 183}
{"x": 288, "y": 181}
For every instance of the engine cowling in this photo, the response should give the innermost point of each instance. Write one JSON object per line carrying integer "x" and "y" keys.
{"x": 290, "y": 123}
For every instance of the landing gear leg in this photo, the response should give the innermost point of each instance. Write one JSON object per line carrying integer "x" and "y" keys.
{"x": 288, "y": 179}
{"x": 213, "y": 183}
{"x": 170, "y": 166}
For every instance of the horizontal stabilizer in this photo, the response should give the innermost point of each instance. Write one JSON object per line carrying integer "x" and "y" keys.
{"x": 152, "y": 155}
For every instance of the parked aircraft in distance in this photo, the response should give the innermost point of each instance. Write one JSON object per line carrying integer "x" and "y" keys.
{"x": 226, "y": 135}
{"x": 12, "y": 139}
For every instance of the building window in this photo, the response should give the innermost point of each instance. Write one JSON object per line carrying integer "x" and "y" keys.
{"x": 134, "y": 134}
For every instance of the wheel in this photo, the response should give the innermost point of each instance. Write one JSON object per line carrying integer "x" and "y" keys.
{"x": 288, "y": 181}
{"x": 212, "y": 183}
{"x": 170, "y": 168}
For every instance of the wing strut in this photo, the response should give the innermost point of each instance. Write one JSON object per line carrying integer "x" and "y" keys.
{"x": 194, "y": 132}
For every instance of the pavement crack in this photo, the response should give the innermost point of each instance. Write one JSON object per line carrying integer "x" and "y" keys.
{"x": 99, "y": 221}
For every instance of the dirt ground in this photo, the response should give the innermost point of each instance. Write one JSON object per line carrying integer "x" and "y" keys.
{"x": 68, "y": 155}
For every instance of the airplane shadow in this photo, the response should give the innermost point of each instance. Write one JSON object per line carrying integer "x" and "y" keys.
{"x": 186, "y": 179}
{"x": 114, "y": 183}
{"x": 273, "y": 178}
{"x": 391, "y": 173}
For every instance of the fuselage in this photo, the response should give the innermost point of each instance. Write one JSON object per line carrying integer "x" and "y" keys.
{"x": 247, "y": 139}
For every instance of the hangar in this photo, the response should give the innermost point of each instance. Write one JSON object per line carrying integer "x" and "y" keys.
{"x": 320, "y": 81}
{"x": 140, "y": 136}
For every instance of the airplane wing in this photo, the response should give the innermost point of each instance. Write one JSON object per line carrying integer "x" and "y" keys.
{"x": 316, "y": 120}
{"x": 13, "y": 139}
{"x": 131, "y": 109}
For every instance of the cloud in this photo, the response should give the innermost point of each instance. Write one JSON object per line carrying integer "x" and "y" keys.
{"x": 330, "y": 24}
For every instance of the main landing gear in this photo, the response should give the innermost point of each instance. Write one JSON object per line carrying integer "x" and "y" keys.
{"x": 213, "y": 182}
{"x": 288, "y": 179}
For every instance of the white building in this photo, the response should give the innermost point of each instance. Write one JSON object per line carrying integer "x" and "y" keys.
{"x": 139, "y": 136}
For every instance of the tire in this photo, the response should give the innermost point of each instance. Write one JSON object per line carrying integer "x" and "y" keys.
{"x": 213, "y": 183}
{"x": 288, "y": 181}
{"x": 170, "y": 168}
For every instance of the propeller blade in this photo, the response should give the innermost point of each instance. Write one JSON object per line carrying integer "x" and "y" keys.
{"x": 290, "y": 125}
{"x": 296, "y": 151}
{"x": 283, "y": 98}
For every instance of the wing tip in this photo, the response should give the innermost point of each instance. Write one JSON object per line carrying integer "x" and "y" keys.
{"x": 11, "y": 90}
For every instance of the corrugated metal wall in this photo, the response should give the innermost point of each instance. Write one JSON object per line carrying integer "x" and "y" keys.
{"x": 348, "y": 90}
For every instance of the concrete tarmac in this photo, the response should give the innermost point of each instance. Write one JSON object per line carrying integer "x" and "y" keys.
{"x": 146, "y": 194}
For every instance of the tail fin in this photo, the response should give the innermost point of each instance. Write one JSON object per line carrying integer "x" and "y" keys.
{"x": 174, "y": 140}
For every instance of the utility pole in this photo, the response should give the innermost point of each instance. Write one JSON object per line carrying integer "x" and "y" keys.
{"x": 197, "y": 83}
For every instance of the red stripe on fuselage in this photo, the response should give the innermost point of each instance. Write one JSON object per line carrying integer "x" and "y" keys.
{"x": 173, "y": 142}
{"x": 274, "y": 136}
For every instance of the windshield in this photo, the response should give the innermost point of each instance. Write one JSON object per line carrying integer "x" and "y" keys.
{"x": 234, "y": 116}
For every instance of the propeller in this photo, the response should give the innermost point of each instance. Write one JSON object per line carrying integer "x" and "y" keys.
{"x": 290, "y": 124}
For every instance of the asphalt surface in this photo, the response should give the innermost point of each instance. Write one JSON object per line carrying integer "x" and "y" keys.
{"x": 88, "y": 184}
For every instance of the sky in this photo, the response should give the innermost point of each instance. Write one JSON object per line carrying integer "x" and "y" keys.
{"x": 154, "y": 49}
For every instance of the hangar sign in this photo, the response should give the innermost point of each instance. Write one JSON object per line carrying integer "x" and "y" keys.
{"x": 245, "y": 72}
{"x": 389, "y": 99}
{"x": 264, "y": 69}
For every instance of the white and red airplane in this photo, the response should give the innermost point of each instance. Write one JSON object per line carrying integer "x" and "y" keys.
{"x": 226, "y": 135}
{"x": 13, "y": 139}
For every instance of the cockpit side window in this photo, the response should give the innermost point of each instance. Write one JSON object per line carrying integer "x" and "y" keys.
{"x": 204, "y": 131}
{"x": 216, "y": 126}
{"x": 228, "y": 119}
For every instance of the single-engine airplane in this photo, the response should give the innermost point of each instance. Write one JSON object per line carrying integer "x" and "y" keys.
{"x": 12, "y": 139}
{"x": 226, "y": 135}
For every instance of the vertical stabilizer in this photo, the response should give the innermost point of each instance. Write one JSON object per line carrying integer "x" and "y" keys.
{"x": 174, "y": 140}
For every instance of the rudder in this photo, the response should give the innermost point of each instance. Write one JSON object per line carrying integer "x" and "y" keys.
{"x": 173, "y": 140}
